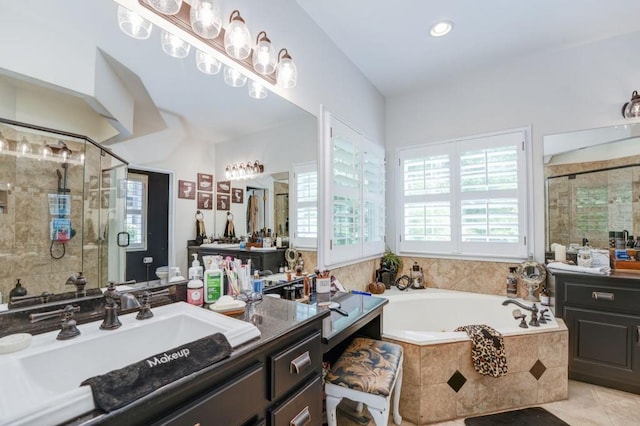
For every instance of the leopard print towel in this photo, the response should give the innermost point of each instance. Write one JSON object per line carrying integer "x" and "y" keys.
{"x": 487, "y": 350}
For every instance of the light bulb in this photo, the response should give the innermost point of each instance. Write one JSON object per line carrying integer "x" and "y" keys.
{"x": 24, "y": 147}
{"x": 4, "y": 145}
{"x": 45, "y": 152}
{"x": 205, "y": 17}
{"x": 168, "y": 7}
{"x": 286, "y": 72}
{"x": 237, "y": 38}
{"x": 264, "y": 56}
{"x": 173, "y": 45}
{"x": 133, "y": 24}
{"x": 207, "y": 63}
{"x": 233, "y": 77}
{"x": 257, "y": 90}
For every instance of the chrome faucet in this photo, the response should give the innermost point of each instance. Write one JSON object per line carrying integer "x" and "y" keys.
{"x": 533, "y": 309}
{"x": 111, "y": 296}
{"x": 69, "y": 328}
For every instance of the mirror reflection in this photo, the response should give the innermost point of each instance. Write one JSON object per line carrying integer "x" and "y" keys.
{"x": 592, "y": 185}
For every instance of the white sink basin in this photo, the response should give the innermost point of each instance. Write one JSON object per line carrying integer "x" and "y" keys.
{"x": 41, "y": 384}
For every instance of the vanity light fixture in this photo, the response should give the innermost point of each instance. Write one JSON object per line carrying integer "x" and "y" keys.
{"x": 441, "y": 28}
{"x": 207, "y": 63}
{"x": 243, "y": 171}
{"x": 264, "y": 55}
{"x": 46, "y": 152}
{"x": 287, "y": 72}
{"x": 205, "y": 17}
{"x": 257, "y": 90}
{"x": 631, "y": 109}
{"x": 173, "y": 45}
{"x": 237, "y": 38}
{"x": 168, "y": 7}
{"x": 233, "y": 77}
{"x": 199, "y": 23}
{"x": 133, "y": 24}
{"x": 24, "y": 147}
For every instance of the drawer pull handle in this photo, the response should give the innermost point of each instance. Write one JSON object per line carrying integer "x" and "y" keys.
{"x": 303, "y": 418}
{"x": 300, "y": 363}
{"x": 599, "y": 295}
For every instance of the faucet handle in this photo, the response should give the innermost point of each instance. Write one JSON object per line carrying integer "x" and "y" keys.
{"x": 69, "y": 328}
{"x": 145, "y": 309}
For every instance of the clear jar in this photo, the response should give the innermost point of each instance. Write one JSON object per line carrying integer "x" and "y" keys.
{"x": 584, "y": 257}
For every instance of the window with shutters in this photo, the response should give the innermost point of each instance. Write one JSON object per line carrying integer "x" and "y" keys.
{"x": 466, "y": 197}
{"x": 137, "y": 211}
{"x": 305, "y": 202}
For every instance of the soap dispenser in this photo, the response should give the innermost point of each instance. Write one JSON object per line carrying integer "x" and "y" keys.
{"x": 196, "y": 271}
{"x": 18, "y": 290}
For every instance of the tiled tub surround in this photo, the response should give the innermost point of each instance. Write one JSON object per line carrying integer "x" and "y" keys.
{"x": 440, "y": 382}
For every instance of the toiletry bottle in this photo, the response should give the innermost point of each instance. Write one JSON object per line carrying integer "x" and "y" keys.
{"x": 512, "y": 282}
{"x": 196, "y": 270}
{"x": 545, "y": 300}
{"x": 213, "y": 283}
{"x": 17, "y": 291}
{"x": 195, "y": 293}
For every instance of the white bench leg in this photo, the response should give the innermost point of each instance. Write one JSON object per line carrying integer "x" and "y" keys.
{"x": 380, "y": 417}
{"x": 331, "y": 403}
{"x": 397, "y": 418}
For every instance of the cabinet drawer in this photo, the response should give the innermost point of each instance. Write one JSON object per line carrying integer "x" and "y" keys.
{"x": 610, "y": 298}
{"x": 303, "y": 408}
{"x": 237, "y": 402}
{"x": 293, "y": 365}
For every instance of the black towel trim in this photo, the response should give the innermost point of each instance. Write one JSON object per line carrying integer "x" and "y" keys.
{"x": 118, "y": 388}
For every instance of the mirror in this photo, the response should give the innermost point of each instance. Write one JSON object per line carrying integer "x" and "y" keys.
{"x": 592, "y": 184}
{"x": 229, "y": 125}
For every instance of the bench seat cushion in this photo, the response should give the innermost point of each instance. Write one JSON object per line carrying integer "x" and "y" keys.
{"x": 367, "y": 365}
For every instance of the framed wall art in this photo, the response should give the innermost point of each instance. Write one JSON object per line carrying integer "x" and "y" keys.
{"x": 205, "y": 200}
{"x": 205, "y": 182}
{"x": 237, "y": 195}
{"x": 222, "y": 202}
{"x": 186, "y": 189}
{"x": 224, "y": 186}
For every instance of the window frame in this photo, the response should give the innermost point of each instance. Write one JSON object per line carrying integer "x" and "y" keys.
{"x": 304, "y": 242}
{"x": 456, "y": 248}
{"x": 143, "y": 213}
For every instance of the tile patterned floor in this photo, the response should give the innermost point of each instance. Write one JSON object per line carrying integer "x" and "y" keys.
{"x": 587, "y": 405}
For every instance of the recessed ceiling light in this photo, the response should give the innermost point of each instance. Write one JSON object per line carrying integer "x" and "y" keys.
{"x": 441, "y": 28}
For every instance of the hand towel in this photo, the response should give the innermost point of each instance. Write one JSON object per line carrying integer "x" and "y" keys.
{"x": 487, "y": 350}
{"x": 118, "y": 388}
{"x": 600, "y": 270}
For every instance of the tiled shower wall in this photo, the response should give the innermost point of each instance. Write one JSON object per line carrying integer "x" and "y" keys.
{"x": 25, "y": 222}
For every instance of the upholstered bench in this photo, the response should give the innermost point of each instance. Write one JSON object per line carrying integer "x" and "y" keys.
{"x": 367, "y": 372}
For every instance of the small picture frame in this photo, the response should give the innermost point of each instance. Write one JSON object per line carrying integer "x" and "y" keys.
{"x": 223, "y": 186}
{"x": 205, "y": 182}
{"x": 237, "y": 195}
{"x": 205, "y": 200}
{"x": 223, "y": 202}
{"x": 186, "y": 189}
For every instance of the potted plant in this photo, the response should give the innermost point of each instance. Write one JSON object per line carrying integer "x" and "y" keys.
{"x": 390, "y": 265}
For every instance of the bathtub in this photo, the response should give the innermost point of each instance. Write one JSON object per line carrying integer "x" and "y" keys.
{"x": 440, "y": 382}
{"x": 424, "y": 317}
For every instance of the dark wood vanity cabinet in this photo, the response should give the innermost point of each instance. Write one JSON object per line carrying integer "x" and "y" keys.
{"x": 602, "y": 314}
{"x": 278, "y": 384}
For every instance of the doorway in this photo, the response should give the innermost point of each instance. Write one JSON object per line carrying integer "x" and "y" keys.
{"x": 153, "y": 225}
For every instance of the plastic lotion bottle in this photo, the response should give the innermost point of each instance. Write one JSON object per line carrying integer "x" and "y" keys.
{"x": 196, "y": 270}
{"x": 213, "y": 285}
{"x": 195, "y": 286}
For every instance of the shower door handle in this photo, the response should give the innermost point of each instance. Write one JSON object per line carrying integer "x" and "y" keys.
{"x": 122, "y": 240}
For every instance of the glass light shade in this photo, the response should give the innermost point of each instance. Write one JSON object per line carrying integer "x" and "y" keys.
{"x": 257, "y": 90}
{"x": 205, "y": 18}
{"x": 440, "y": 29}
{"x": 233, "y": 77}
{"x": 632, "y": 108}
{"x": 4, "y": 145}
{"x": 286, "y": 72}
{"x": 264, "y": 56}
{"x": 207, "y": 63}
{"x": 168, "y": 7}
{"x": 133, "y": 24}
{"x": 173, "y": 45}
{"x": 24, "y": 147}
{"x": 45, "y": 152}
{"x": 237, "y": 38}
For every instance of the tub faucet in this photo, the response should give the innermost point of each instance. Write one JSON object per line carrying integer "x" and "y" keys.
{"x": 111, "y": 296}
{"x": 533, "y": 309}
